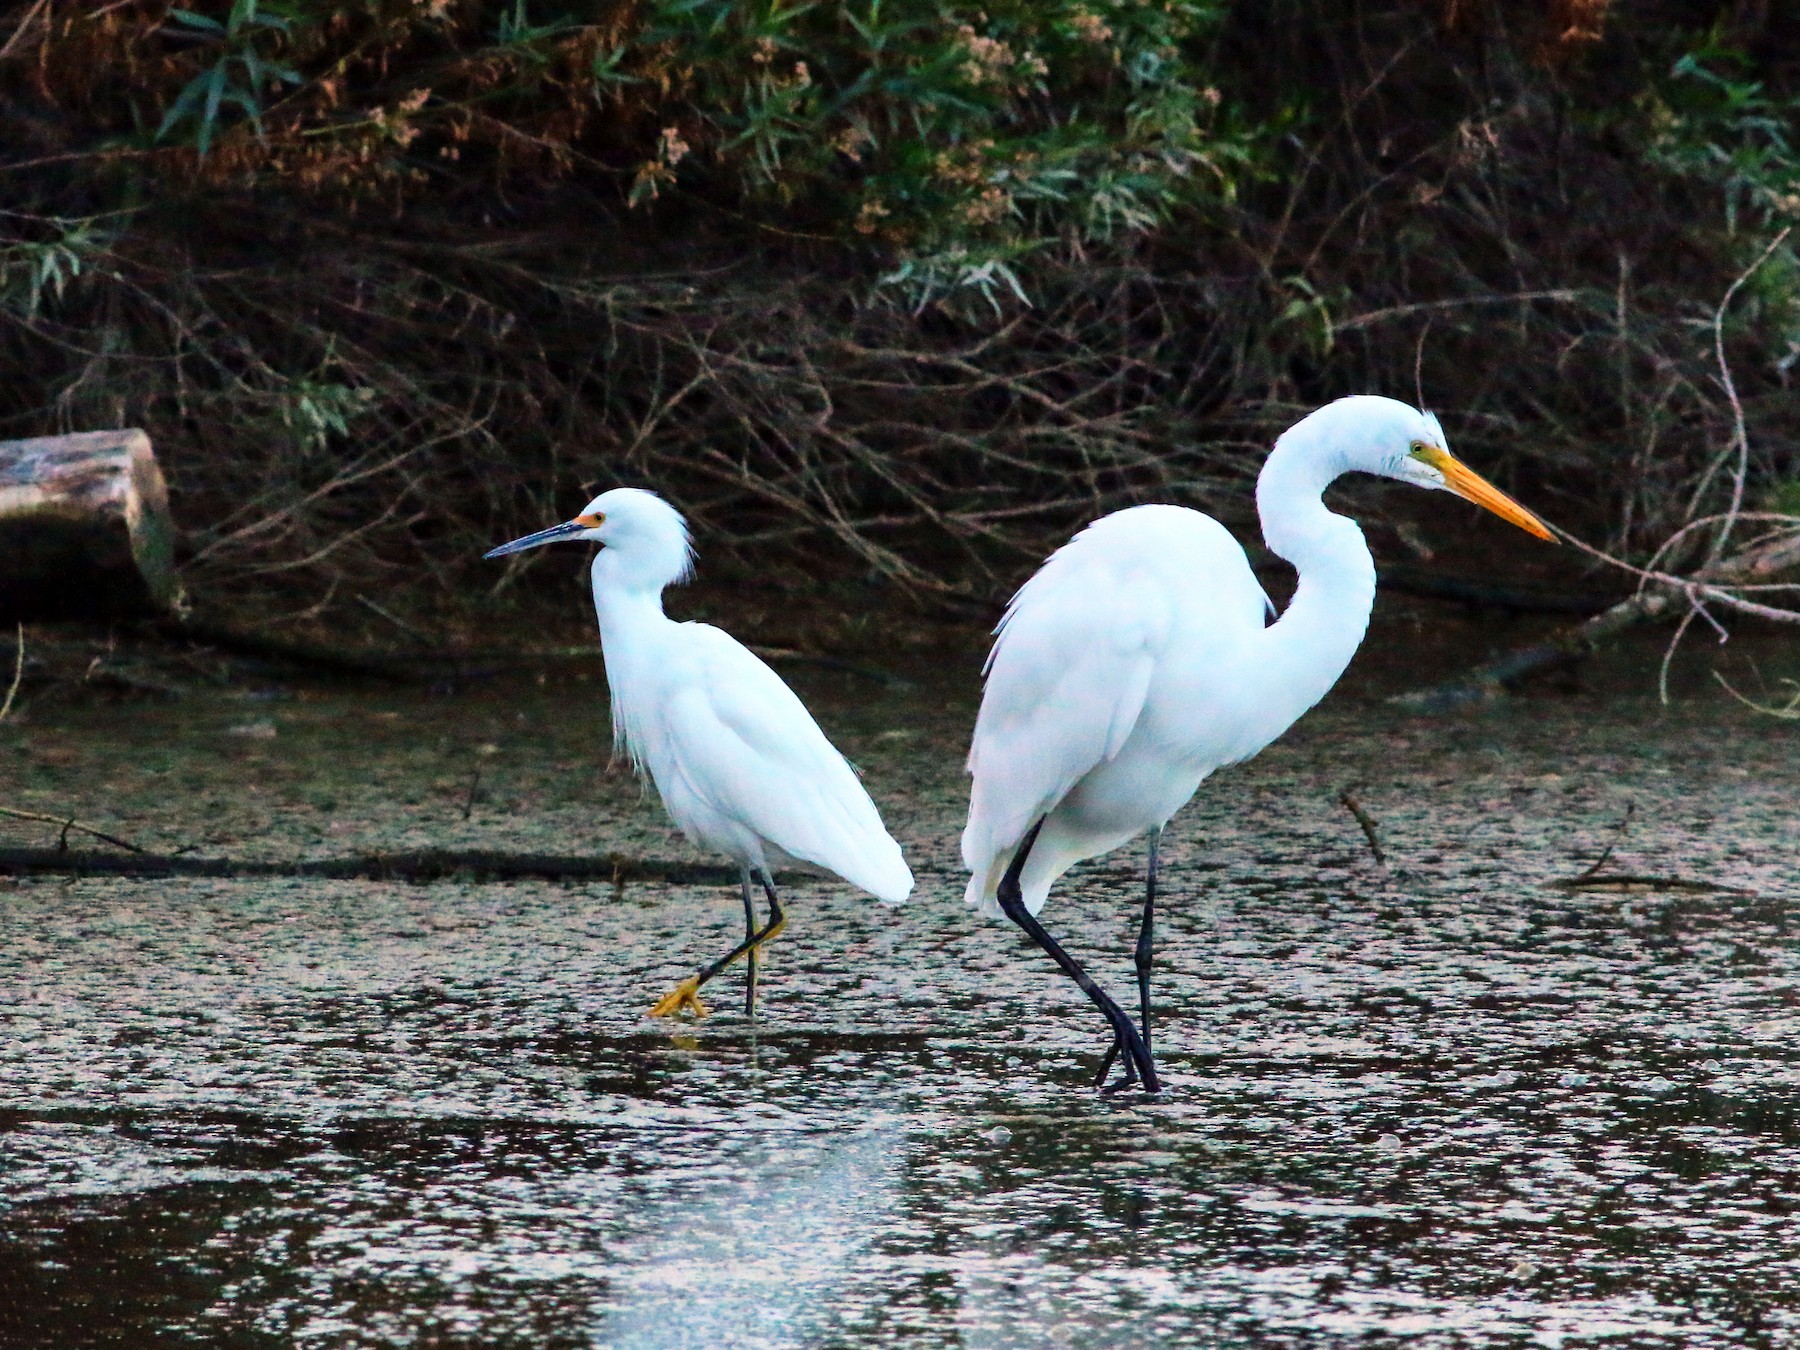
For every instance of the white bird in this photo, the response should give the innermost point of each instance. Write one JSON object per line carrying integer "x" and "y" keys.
{"x": 740, "y": 764}
{"x": 1137, "y": 660}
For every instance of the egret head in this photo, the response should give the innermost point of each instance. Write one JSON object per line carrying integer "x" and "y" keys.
{"x": 642, "y": 538}
{"x": 1384, "y": 436}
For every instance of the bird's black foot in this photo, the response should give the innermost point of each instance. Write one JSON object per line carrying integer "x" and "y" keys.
{"x": 1129, "y": 1077}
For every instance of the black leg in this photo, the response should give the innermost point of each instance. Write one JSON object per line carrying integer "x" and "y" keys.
{"x": 685, "y": 996}
{"x": 1146, "y": 933}
{"x": 1106, "y": 1063}
{"x": 749, "y": 956}
{"x": 1012, "y": 903}
{"x": 1145, "y": 948}
{"x": 777, "y": 921}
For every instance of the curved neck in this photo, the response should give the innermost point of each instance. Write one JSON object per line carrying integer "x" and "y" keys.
{"x": 1308, "y": 647}
{"x": 631, "y": 623}
{"x": 623, "y": 604}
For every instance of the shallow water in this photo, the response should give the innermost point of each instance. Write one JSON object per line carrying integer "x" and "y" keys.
{"x": 1434, "y": 1103}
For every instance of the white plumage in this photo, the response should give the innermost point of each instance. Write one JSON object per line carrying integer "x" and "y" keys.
{"x": 1109, "y": 693}
{"x": 741, "y": 766}
{"x": 1137, "y": 660}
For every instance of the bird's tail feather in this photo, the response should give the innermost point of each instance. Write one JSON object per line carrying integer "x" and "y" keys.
{"x": 888, "y": 879}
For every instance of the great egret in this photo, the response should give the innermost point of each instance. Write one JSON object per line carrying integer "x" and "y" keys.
{"x": 740, "y": 764}
{"x": 1136, "y": 661}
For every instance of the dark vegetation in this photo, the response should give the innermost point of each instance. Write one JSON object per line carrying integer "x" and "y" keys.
{"x": 899, "y": 287}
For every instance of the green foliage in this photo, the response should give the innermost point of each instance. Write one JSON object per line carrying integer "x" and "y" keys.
{"x": 239, "y": 74}
{"x": 517, "y": 30}
{"x": 1784, "y": 498}
{"x": 464, "y": 259}
{"x": 1712, "y": 123}
{"x": 964, "y": 136}
{"x": 952, "y": 142}
{"x": 1308, "y": 316}
{"x": 313, "y": 410}
{"x": 35, "y": 270}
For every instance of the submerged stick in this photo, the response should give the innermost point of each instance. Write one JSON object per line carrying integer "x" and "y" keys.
{"x": 1606, "y": 853}
{"x": 423, "y": 667}
{"x": 1787, "y": 712}
{"x": 1632, "y": 881}
{"x": 1364, "y": 819}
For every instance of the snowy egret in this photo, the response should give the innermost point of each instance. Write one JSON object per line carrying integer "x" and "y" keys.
{"x": 1136, "y": 661}
{"x": 740, "y": 764}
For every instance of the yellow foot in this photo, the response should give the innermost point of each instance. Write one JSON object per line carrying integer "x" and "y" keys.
{"x": 684, "y": 997}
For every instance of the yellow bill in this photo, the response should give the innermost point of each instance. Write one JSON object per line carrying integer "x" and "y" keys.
{"x": 1466, "y": 483}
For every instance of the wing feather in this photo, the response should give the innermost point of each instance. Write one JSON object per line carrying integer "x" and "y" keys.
{"x": 1076, "y": 659}
{"x": 740, "y": 741}
{"x": 1066, "y": 684}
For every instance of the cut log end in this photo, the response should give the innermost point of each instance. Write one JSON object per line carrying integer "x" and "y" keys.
{"x": 85, "y": 530}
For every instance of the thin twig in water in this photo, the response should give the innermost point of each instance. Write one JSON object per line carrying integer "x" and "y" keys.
{"x": 1364, "y": 819}
{"x": 1617, "y": 835}
{"x": 69, "y": 823}
{"x": 1668, "y": 658}
{"x": 474, "y": 787}
{"x": 18, "y": 675}
{"x": 1788, "y": 712}
{"x": 417, "y": 867}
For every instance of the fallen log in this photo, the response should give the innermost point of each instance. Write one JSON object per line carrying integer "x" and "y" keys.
{"x": 426, "y": 667}
{"x": 418, "y": 867}
{"x": 1518, "y": 599}
{"x": 1656, "y": 601}
{"x": 85, "y": 530}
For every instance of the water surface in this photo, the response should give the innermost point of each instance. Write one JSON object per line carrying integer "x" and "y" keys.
{"x": 1439, "y": 1102}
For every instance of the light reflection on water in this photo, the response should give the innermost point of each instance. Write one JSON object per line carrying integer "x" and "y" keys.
{"x": 759, "y": 1258}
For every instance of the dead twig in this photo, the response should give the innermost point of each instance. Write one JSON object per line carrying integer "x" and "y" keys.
{"x": 1788, "y": 712}
{"x": 1376, "y": 316}
{"x": 1590, "y": 878}
{"x": 1364, "y": 819}
{"x": 1740, "y": 436}
{"x": 1656, "y": 600}
{"x": 68, "y": 824}
{"x": 383, "y": 612}
{"x": 1617, "y": 835}
{"x": 24, "y": 27}
{"x": 18, "y": 675}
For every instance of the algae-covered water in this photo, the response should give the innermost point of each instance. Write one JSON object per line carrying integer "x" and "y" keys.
{"x": 1440, "y": 1102}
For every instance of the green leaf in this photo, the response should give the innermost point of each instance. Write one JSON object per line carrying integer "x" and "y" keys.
{"x": 215, "y": 89}
{"x": 193, "y": 20}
